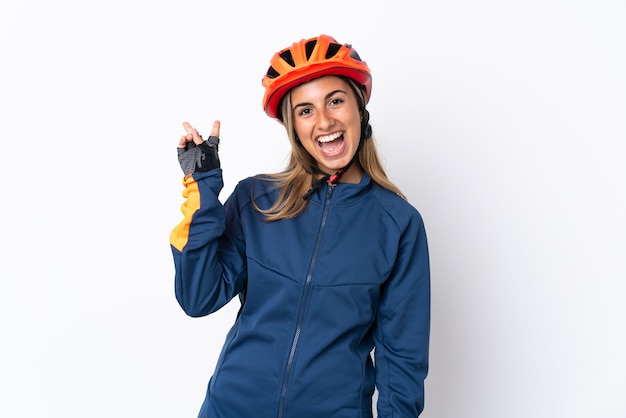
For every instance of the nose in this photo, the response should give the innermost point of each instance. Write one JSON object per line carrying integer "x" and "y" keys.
{"x": 325, "y": 119}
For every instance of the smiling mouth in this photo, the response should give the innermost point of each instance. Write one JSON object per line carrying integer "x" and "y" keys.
{"x": 331, "y": 144}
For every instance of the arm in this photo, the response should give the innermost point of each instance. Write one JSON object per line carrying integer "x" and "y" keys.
{"x": 208, "y": 256}
{"x": 403, "y": 328}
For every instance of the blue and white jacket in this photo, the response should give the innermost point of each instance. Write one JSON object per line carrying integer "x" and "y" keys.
{"x": 335, "y": 302}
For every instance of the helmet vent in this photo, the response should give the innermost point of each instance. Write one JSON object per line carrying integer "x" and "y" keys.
{"x": 309, "y": 48}
{"x": 354, "y": 55}
{"x": 286, "y": 55}
{"x": 272, "y": 73}
{"x": 332, "y": 50}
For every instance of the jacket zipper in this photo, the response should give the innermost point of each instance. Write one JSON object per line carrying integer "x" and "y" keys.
{"x": 305, "y": 299}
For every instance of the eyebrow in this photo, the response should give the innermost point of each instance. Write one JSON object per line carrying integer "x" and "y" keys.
{"x": 328, "y": 96}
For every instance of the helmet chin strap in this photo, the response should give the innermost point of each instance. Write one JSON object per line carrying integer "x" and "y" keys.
{"x": 366, "y": 132}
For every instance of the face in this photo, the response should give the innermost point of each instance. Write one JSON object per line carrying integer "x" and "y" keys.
{"x": 327, "y": 120}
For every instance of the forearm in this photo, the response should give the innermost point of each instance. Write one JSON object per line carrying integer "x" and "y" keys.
{"x": 194, "y": 242}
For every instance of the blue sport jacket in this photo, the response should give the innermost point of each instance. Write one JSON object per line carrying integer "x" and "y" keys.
{"x": 334, "y": 302}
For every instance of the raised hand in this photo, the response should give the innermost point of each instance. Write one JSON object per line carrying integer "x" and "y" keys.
{"x": 196, "y": 154}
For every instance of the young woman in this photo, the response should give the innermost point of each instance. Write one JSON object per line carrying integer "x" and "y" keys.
{"x": 329, "y": 260}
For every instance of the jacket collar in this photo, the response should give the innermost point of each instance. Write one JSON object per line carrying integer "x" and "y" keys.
{"x": 344, "y": 192}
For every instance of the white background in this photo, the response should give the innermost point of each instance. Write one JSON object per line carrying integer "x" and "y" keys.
{"x": 503, "y": 121}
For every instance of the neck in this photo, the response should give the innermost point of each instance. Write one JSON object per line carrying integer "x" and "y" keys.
{"x": 352, "y": 175}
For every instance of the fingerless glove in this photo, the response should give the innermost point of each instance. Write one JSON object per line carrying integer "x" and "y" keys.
{"x": 199, "y": 158}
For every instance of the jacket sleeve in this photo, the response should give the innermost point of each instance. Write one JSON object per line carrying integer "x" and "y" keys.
{"x": 403, "y": 327}
{"x": 207, "y": 247}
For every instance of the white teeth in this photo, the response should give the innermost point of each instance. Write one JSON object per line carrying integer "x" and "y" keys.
{"x": 329, "y": 138}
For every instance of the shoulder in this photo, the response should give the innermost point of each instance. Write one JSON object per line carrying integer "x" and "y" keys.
{"x": 260, "y": 184}
{"x": 258, "y": 188}
{"x": 397, "y": 208}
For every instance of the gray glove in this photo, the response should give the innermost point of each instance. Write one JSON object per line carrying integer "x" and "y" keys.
{"x": 199, "y": 158}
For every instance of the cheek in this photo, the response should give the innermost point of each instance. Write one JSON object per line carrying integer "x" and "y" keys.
{"x": 352, "y": 118}
{"x": 301, "y": 130}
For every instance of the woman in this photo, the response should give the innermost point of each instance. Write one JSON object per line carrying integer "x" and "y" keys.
{"x": 328, "y": 259}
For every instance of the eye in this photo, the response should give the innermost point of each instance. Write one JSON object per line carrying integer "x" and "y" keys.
{"x": 304, "y": 111}
{"x": 336, "y": 101}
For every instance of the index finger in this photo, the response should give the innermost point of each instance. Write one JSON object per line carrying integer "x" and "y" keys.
{"x": 215, "y": 130}
{"x": 188, "y": 128}
{"x": 192, "y": 133}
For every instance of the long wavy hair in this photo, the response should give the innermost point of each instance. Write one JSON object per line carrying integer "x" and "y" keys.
{"x": 300, "y": 173}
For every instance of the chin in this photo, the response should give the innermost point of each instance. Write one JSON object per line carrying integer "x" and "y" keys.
{"x": 335, "y": 166}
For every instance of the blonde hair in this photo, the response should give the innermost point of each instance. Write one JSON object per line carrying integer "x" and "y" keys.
{"x": 300, "y": 173}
